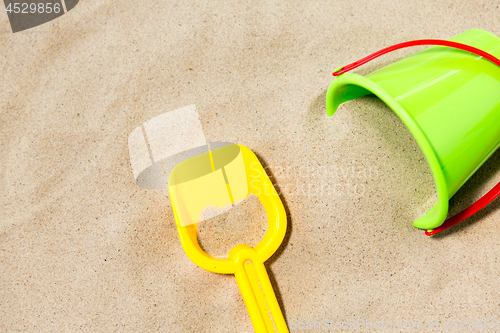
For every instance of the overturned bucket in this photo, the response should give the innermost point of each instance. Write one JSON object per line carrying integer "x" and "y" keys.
{"x": 450, "y": 101}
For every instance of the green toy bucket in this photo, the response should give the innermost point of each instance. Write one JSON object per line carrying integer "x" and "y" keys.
{"x": 449, "y": 100}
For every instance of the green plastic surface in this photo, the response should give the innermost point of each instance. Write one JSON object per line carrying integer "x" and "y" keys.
{"x": 450, "y": 101}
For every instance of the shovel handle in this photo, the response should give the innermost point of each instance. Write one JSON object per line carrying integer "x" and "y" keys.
{"x": 257, "y": 291}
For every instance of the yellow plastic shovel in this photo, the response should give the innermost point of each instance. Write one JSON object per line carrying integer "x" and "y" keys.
{"x": 220, "y": 178}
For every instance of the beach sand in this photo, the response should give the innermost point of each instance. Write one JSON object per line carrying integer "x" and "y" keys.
{"x": 82, "y": 248}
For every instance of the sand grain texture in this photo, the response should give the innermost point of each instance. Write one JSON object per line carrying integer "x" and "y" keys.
{"x": 244, "y": 223}
{"x": 82, "y": 248}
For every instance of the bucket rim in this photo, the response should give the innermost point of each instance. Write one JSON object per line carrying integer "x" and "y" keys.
{"x": 437, "y": 214}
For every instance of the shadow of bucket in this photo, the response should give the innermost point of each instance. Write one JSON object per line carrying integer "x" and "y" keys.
{"x": 449, "y": 100}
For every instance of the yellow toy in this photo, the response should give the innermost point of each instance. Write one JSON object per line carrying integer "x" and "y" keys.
{"x": 220, "y": 178}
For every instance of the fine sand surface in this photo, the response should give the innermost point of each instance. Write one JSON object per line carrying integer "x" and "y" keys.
{"x": 244, "y": 223}
{"x": 83, "y": 248}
